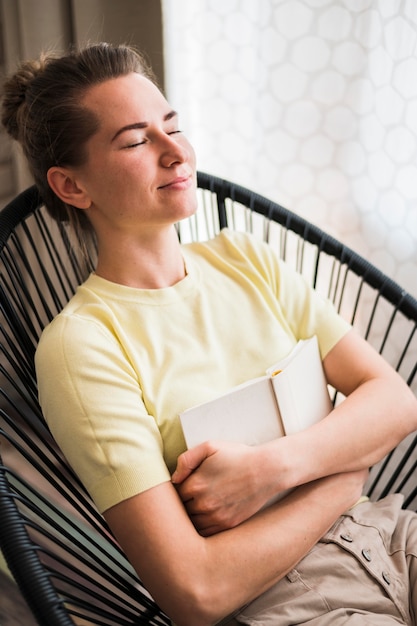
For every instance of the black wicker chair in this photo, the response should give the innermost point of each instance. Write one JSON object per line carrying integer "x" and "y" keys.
{"x": 63, "y": 557}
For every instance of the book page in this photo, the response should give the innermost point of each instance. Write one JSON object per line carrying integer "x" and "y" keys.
{"x": 301, "y": 388}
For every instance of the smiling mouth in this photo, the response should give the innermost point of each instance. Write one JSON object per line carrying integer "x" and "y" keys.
{"x": 181, "y": 182}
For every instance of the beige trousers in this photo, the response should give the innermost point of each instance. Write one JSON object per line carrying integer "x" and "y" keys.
{"x": 363, "y": 572}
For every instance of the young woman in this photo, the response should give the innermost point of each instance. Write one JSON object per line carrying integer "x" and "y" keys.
{"x": 159, "y": 327}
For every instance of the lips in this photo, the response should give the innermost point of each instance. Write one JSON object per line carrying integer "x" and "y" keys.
{"x": 179, "y": 182}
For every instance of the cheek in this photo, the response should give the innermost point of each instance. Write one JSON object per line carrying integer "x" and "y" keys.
{"x": 109, "y": 179}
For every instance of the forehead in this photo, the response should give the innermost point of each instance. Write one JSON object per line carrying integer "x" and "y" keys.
{"x": 118, "y": 99}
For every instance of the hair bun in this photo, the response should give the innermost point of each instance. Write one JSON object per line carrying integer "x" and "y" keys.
{"x": 15, "y": 91}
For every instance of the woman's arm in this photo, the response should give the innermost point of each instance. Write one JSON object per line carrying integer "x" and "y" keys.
{"x": 378, "y": 412}
{"x": 198, "y": 581}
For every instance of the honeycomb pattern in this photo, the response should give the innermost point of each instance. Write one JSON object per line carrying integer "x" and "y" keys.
{"x": 312, "y": 103}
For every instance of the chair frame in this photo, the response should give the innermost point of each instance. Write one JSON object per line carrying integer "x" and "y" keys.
{"x": 38, "y": 537}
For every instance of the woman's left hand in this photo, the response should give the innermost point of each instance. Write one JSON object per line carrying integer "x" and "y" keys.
{"x": 217, "y": 482}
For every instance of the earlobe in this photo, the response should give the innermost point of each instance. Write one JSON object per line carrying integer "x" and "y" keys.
{"x": 65, "y": 186}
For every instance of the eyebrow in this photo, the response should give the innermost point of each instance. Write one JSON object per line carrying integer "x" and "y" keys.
{"x": 137, "y": 125}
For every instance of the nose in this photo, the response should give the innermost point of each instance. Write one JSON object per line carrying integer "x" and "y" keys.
{"x": 173, "y": 151}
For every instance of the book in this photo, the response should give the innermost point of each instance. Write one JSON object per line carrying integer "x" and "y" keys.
{"x": 291, "y": 396}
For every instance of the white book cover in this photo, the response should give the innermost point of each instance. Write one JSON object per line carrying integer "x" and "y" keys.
{"x": 292, "y": 396}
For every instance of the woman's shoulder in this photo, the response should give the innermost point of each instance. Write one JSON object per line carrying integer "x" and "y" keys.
{"x": 81, "y": 317}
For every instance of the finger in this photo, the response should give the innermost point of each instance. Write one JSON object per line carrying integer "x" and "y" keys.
{"x": 189, "y": 461}
{"x": 185, "y": 492}
{"x": 210, "y": 531}
{"x": 205, "y": 525}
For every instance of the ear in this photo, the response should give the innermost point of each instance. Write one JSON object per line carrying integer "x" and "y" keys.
{"x": 65, "y": 185}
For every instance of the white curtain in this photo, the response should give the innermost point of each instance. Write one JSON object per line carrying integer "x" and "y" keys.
{"x": 312, "y": 103}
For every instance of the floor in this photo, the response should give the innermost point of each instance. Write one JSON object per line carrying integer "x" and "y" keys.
{"x": 13, "y": 608}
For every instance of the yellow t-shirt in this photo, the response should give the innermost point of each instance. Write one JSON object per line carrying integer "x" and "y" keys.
{"x": 118, "y": 364}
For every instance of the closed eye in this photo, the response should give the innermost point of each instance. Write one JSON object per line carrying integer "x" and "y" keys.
{"x": 134, "y": 145}
{"x": 144, "y": 141}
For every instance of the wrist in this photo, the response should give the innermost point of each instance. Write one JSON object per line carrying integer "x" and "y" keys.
{"x": 273, "y": 471}
{"x": 288, "y": 462}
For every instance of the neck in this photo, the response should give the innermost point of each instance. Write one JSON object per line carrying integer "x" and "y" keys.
{"x": 154, "y": 264}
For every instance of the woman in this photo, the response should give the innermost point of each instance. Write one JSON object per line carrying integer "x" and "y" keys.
{"x": 159, "y": 327}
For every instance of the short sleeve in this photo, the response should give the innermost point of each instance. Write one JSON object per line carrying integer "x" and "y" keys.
{"x": 92, "y": 402}
{"x": 308, "y": 312}
{"x": 302, "y": 310}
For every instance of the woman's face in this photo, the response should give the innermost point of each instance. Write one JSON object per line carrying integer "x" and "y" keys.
{"x": 140, "y": 171}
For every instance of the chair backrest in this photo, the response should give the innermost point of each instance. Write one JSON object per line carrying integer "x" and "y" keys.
{"x": 63, "y": 557}
{"x": 59, "y": 549}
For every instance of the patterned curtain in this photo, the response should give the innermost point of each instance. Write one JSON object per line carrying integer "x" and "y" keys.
{"x": 312, "y": 103}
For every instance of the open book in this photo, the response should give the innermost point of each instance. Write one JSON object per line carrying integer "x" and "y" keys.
{"x": 292, "y": 396}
